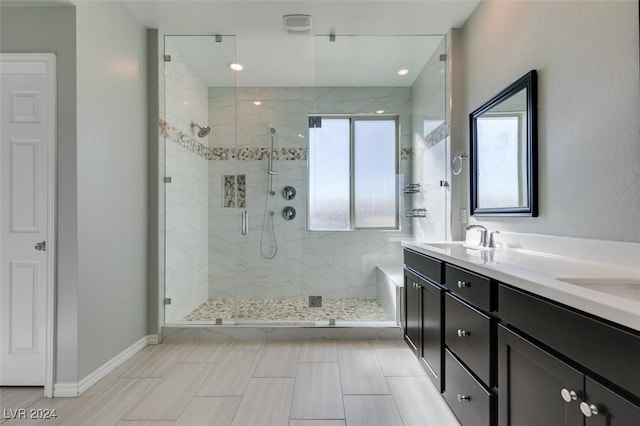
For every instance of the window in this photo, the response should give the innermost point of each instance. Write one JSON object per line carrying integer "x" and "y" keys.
{"x": 353, "y": 166}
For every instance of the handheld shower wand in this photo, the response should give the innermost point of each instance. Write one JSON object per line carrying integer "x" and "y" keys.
{"x": 270, "y": 192}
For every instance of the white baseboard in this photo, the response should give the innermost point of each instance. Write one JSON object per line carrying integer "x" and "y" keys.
{"x": 66, "y": 390}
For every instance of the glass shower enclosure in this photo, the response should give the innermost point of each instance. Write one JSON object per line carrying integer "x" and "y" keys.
{"x": 289, "y": 189}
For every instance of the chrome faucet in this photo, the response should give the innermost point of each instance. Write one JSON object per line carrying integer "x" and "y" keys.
{"x": 483, "y": 234}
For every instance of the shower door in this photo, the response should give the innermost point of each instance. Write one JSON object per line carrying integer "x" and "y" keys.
{"x": 202, "y": 190}
{"x": 431, "y": 145}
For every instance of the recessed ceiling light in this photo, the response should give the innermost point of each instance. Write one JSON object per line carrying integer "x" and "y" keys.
{"x": 236, "y": 66}
{"x": 403, "y": 71}
{"x": 380, "y": 111}
{"x": 257, "y": 103}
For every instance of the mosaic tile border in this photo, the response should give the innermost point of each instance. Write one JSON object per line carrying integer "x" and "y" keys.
{"x": 406, "y": 153}
{"x": 227, "y": 153}
{"x": 247, "y": 154}
{"x": 437, "y": 135}
{"x": 182, "y": 139}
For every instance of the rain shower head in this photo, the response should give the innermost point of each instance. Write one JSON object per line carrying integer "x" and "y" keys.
{"x": 203, "y": 130}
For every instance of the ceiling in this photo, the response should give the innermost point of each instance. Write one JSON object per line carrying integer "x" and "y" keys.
{"x": 273, "y": 58}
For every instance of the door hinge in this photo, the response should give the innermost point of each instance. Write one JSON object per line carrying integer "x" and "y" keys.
{"x": 167, "y": 179}
{"x": 167, "y": 58}
{"x": 167, "y": 301}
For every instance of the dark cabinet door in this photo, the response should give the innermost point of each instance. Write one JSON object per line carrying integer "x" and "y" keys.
{"x": 413, "y": 312}
{"x": 602, "y": 407}
{"x": 533, "y": 384}
{"x": 432, "y": 335}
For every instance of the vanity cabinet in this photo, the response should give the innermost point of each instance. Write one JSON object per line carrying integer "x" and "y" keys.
{"x": 423, "y": 312}
{"x": 503, "y": 356}
{"x": 573, "y": 368}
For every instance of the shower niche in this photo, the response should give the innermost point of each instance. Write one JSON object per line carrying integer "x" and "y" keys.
{"x": 234, "y": 191}
{"x": 238, "y": 250}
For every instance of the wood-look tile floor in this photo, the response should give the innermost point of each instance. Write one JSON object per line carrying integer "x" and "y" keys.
{"x": 302, "y": 383}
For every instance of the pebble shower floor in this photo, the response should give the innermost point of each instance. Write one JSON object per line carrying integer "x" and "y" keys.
{"x": 291, "y": 309}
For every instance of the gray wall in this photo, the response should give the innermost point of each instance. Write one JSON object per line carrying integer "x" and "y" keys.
{"x": 102, "y": 174}
{"x": 53, "y": 30}
{"x": 112, "y": 182}
{"x": 586, "y": 54}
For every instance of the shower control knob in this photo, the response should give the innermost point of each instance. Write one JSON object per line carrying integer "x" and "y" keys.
{"x": 289, "y": 193}
{"x": 288, "y": 213}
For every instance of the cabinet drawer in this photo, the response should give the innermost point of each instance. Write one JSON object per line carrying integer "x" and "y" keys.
{"x": 471, "y": 287}
{"x": 469, "y": 400}
{"x": 470, "y": 335}
{"x": 424, "y": 265}
{"x": 605, "y": 349}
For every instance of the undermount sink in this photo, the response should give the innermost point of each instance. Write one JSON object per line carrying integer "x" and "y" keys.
{"x": 597, "y": 282}
{"x": 628, "y": 288}
{"x": 455, "y": 244}
{"x": 445, "y": 246}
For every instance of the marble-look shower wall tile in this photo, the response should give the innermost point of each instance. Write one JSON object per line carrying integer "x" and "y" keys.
{"x": 331, "y": 264}
{"x": 186, "y": 96}
{"x": 186, "y": 223}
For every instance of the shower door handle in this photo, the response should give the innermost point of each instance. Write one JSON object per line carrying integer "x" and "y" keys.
{"x": 244, "y": 222}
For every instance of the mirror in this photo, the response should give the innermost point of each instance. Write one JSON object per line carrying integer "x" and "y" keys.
{"x": 503, "y": 152}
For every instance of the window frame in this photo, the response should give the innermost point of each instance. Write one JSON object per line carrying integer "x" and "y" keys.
{"x": 352, "y": 219}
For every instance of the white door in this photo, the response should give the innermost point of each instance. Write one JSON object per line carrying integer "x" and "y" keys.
{"x": 26, "y": 142}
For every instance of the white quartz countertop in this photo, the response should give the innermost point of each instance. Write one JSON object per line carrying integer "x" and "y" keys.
{"x": 608, "y": 291}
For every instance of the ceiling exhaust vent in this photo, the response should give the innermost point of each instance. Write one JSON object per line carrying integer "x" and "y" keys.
{"x": 297, "y": 24}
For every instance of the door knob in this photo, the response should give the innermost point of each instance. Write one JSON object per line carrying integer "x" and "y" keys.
{"x": 41, "y": 246}
{"x": 463, "y": 333}
{"x": 462, "y": 284}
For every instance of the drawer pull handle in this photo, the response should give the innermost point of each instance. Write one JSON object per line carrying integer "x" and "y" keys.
{"x": 462, "y": 398}
{"x": 463, "y": 333}
{"x": 588, "y": 409}
{"x": 568, "y": 396}
{"x": 463, "y": 284}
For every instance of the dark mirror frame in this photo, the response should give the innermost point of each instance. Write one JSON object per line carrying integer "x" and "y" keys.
{"x": 528, "y": 81}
